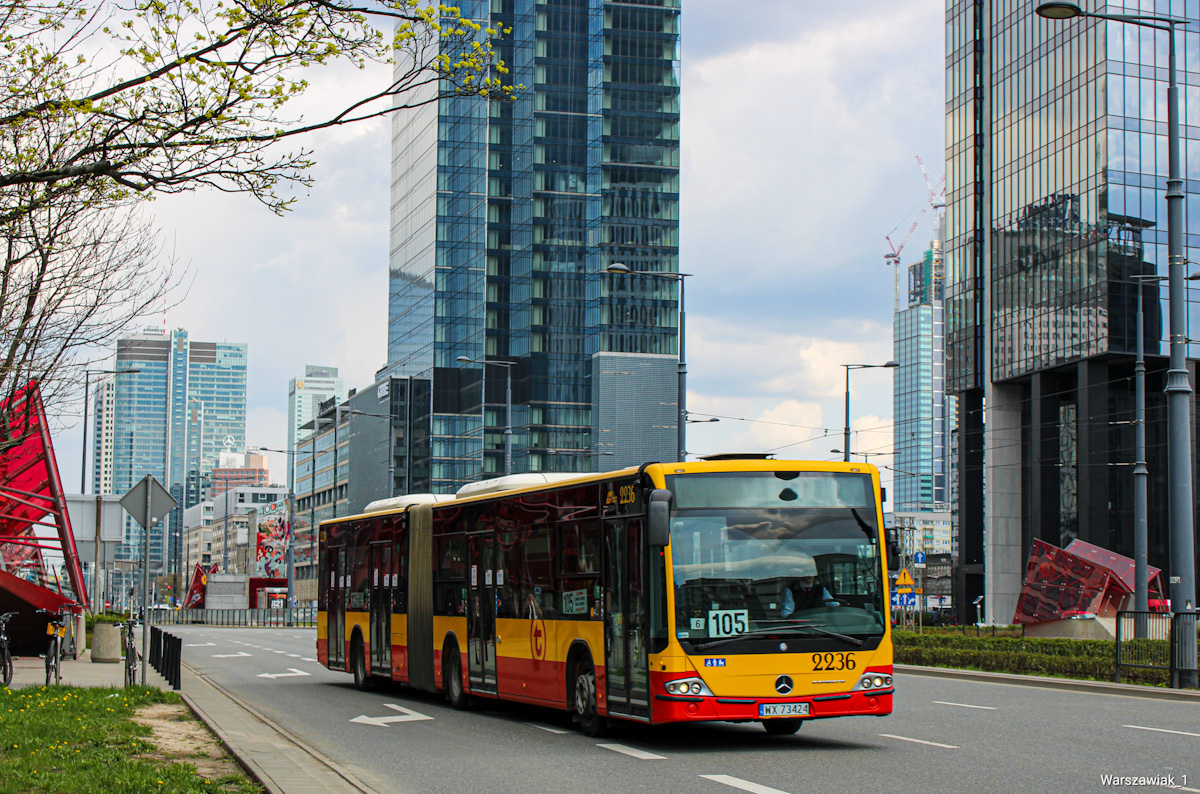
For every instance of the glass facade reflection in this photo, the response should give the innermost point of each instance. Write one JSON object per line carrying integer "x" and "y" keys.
{"x": 1056, "y": 201}
{"x": 504, "y": 215}
{"x": 924, "y": 413}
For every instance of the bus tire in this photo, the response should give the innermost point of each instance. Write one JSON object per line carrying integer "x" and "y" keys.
{"x": 358, "y": 664}
{"x": 782, "y": 727}
{"x": 586, "y": 710}
{"x": 452, "y": 677}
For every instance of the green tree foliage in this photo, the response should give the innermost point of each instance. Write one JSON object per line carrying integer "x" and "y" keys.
{"x": 105, "y": 104}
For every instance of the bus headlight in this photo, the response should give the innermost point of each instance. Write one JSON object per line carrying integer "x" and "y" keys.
{"x": 877, "y": 681}
{"x": 688, "y": 686}
{"x": 872, "y": 681}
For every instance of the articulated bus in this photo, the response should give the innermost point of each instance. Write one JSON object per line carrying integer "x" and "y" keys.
{"x": 672, "y": 592}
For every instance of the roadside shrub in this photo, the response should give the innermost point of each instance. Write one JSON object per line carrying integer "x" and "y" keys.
{"x": 1063, "y": 658}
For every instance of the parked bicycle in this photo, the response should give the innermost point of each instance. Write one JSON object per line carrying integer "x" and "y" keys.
{"x": 129, "y": 643}
{"x": 56, "y": 629}
{"x": 6, "y": 657}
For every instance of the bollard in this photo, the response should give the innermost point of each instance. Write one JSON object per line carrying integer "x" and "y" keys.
{"x": 106, "y": 643}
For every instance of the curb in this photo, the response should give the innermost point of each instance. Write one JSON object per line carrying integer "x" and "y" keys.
{"x": 1069, "y": 684}
{"x": 249, "y": 763}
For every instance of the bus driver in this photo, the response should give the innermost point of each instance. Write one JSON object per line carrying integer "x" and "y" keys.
{"x": 805, "y": 591}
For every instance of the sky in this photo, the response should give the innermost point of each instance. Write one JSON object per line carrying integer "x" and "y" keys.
{"x": 800, "y": 126}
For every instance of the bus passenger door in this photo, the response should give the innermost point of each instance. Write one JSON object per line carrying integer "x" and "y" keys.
{"x": 481, "y": 612}
{"x": 336, "y": 619}
{"x": 625, "y": 659}
{"x": 381, "y": 608}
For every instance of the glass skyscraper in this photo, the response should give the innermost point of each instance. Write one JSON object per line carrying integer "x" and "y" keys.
{"x": 504, "y": 217}
{"x": 924, "y": 414}
{"x": 172, "y": 419}
{"x": 1056, "y": 167}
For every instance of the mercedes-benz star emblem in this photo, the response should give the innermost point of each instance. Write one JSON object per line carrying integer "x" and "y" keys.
{"x": 783, "y": 684}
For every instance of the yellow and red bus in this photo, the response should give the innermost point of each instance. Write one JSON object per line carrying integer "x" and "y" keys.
{"x": 666, "y": 593}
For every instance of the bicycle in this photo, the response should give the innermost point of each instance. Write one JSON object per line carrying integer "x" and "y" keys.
{"x": 56, "y": 629}
{"x": 6, "y": 657}
{"x": 130, "y": 653}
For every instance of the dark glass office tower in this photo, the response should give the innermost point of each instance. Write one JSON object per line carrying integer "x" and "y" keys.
{"x": 504, "y": 216}
{"x": 1056, "y": 166}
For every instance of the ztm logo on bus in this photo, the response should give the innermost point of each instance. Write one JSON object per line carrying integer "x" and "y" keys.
{"x": 537, "y": 639}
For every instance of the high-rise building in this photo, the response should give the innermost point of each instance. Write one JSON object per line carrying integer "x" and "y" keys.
{"x": 505, "y": 216}
{"x": 924, "y": 415}
{"x": 234, "y": 469}
{"x": 1056, "y": 162}
{"x": 172, "y": 418}
{"x": 305, "y": 395}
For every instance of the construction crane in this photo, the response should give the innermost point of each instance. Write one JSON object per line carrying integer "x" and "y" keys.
{"x": 936, "y": 202}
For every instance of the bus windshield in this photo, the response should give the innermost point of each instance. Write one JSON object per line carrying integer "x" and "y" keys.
{"x": 745, "y": 564}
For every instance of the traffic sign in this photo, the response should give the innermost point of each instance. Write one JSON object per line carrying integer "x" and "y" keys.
{"x": 161, "y": 501}
{"x": 904, "y": 579}
{"x": 919, "y": 559}
{"x": 904, "y": 600}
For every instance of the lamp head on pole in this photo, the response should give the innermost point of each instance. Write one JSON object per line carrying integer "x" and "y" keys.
{"x": 1058, "y": 10}
{"x": 891, "y": 365}
{"x": 620, "y": 269}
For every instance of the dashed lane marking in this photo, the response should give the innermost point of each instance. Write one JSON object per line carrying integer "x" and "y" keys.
{"x": 1160, "y": 730}
{"x": 744, "y": 785}
{"x": 964, "y": 705}
{"x": 633, "y": 751}
{"x": 546, "y": 728}
{"x": 919, "y": 741}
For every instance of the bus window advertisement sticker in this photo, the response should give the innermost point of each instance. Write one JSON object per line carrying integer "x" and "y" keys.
{"x": 574, "y": 602}
{"x": 474, "y": 576}
{"x": 499, "y": 577}
{"x": 487, "y": 576}
{"x": 728, "y": 622}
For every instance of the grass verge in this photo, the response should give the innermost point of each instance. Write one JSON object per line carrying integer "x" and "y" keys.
{"x": 74, "y": 739}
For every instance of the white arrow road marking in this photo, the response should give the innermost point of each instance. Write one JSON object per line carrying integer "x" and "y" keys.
{"x": 231, "y": 655}
{"x": 292, "y": 674}
{"x": 406, "y": 715}
{"x": 744, "y": 785}
{"x": 198, "y": 644}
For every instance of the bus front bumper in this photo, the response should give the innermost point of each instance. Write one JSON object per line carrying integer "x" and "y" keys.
{"x": 683, "y": 708}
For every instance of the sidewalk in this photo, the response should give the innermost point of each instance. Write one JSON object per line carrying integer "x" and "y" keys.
{"x": 281, "y": 763}
{"x": 31, "y": 671}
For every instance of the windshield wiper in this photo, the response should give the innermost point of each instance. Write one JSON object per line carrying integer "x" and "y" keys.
{"x": 791, "y": 627}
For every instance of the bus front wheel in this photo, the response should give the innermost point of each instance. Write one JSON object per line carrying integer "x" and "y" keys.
{"x": 782, "y": 727}
{"x": 452, "y": 675}
{"x": 590, "y": 721}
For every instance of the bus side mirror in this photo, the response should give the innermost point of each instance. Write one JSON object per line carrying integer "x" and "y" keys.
{"x": 659, "y": 517}
{"x": 893, "y": 549}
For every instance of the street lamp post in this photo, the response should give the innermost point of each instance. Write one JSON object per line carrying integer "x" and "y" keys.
{"x": 846, "y": 444}
{"x": 1179, "y": 387}
{"x": 681, "y": 403}
{"x": 508, "y": 365}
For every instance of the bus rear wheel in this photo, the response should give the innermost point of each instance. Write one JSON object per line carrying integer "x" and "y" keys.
{"x": 782, "y": 727}
{"x": 358, "y": 663}
{"x": 590, "y": 721}
{"x": 452, "y": 675}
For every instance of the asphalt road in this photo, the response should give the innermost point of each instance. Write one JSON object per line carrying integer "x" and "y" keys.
{"x": 946, "y": 735}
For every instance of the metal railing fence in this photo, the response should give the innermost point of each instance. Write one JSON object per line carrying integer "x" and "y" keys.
{"x": 289, "y": 617}
{"x": 1155, "y": 641}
